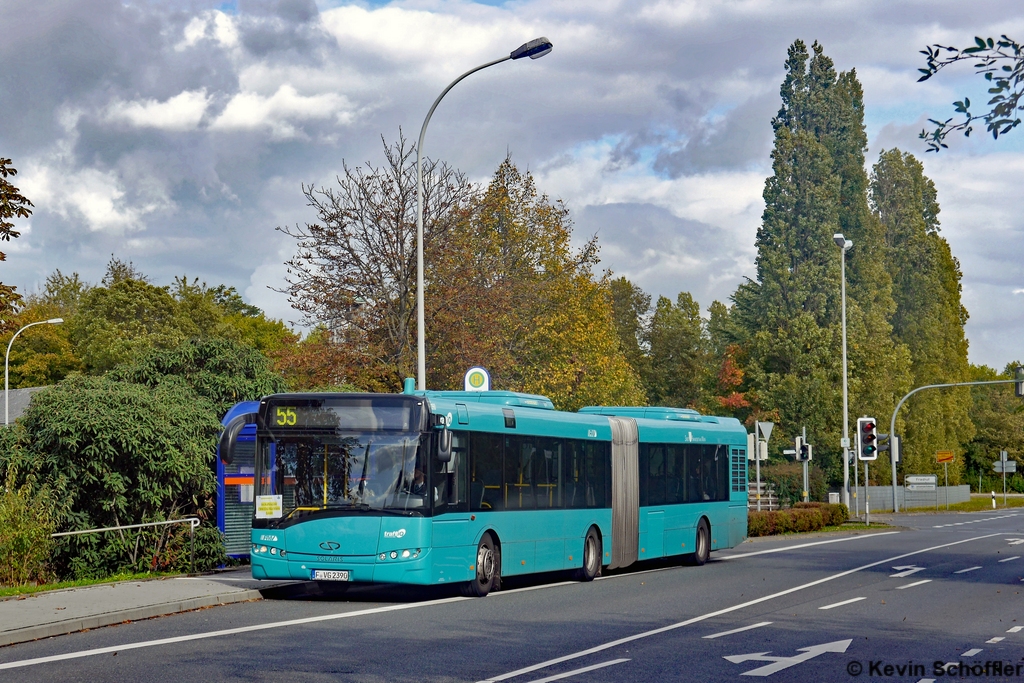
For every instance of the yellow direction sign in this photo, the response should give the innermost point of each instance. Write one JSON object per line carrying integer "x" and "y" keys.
{"x": 943, "y": 456}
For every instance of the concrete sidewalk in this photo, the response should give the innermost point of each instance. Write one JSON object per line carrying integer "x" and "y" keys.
{"x": 52, "y": 613}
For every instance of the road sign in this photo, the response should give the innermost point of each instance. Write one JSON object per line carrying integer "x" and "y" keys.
{"x": 780, "y": 663}
{"x": 766, "y": 429}
{"x": 920, "y": 482}
{"x": 943, "y": 456}
{"x": 1008, "y": 467}
{"x": 1003, "y": 455}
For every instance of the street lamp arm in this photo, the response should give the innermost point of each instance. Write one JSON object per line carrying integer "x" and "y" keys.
{"x": 7, "y": 358}
{"x": 421, "y": 345}
{"x": 892, "y": 422}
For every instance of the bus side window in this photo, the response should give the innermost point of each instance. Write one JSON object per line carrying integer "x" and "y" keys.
{"x": 449, "y": 479}
{"x": 598, "y": 464}
{"x": 674, "y": 475}
{"x": 548, "y": 473}
{"x": 485, "y": 452}
{"x": 694, "y": 492}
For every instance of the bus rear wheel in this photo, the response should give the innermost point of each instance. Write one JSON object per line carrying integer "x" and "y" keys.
{"x": 702, "y": 545}
{"x": 487, "y": 567}
{"x": 591, "y": 557}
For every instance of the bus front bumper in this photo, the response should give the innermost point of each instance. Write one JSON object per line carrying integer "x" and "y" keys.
{"x": 361, "y": 569}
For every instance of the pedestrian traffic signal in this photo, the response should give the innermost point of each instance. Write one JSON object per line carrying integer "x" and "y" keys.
{"x": 867, "y": 438}
{"x": 1018, "y": 388}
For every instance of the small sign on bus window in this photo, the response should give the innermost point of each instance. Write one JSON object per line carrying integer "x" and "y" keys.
{"x": 268, "y": 507}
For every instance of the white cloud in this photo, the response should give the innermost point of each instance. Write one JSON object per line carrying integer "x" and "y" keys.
{"x": 211, "y": 24}
{"x": 280, "y": 112}
{"x": 182, "y": 112}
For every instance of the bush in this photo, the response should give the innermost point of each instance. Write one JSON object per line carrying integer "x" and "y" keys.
{"x": 119, "y": 453}
{"x": 801, "y": 518}
{"x": 787, "y": 479}
{"x": 26, "y": 521}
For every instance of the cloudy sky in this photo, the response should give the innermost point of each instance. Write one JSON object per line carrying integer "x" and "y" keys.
{"x": 177, "y": 135}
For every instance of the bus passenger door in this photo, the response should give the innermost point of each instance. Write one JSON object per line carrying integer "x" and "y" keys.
{"x": 625, "y": 492}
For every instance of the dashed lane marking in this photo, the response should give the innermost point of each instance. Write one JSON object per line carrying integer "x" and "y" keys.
{"x": 911, "y": 585}
{"x": 994, "y": 640}
{"x": 969, "y": 569}
{"x": 1016, "y": 629}
{"x": 737, "y": 630}
{"x": 711, "y": 615}
{"x": 970, "y": 653}
{"x": 1008, "y": 559}
{"x": 844, "y": 602}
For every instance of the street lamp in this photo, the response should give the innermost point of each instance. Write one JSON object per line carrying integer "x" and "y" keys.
{"x": 534, "y": 50}
{"x": 7, "y": 357}
{"x": 844, "y": 245}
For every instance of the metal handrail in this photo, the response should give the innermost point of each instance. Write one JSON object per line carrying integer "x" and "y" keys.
{"x": 193, "y": 523}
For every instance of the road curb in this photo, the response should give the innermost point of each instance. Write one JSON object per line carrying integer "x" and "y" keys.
{"x": 60, "y": 628}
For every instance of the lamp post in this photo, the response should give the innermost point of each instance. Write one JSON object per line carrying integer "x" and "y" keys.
{"x": 7, "y": 358}
{"x": 534, "y": 50}
{"x": 844, "y": 245}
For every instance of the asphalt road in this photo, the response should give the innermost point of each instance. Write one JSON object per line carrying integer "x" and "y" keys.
{"x": 938, "y": 590}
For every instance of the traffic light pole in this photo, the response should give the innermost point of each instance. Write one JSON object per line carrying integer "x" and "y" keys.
{"x": 892, "y": 423}
{"x": 805, "y": 469}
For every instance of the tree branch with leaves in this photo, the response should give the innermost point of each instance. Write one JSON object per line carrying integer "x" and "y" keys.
{"x": 1001, "y": 62}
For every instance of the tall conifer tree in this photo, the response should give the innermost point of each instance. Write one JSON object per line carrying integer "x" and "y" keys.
{"x": 929, "y": 316}
{"x": 792, "y": 310}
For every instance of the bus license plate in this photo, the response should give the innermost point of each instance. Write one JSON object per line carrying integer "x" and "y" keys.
{"x": 330, "y": 575}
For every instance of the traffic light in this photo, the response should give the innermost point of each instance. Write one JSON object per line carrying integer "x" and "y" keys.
{"x": 867, "y": 438}
{"x": 803, "y": 453}
{"x": 882, "y": 446}
{"x": 798, "y": 445}
{"x": 1018, "y": 388}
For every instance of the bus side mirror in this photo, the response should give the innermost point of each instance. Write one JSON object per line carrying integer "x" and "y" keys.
{"x": 444, "y": 439}
{"x": 226, "y": 447}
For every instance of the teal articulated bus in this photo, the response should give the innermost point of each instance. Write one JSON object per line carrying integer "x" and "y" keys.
{"x": 442, "y": 487}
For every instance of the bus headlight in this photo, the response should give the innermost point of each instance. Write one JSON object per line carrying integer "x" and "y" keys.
{"x": 405, "y": 553}
{"x": 263, "y": 548}
{"x": 273, "y": 551}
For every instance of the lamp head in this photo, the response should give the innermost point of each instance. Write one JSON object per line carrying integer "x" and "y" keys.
{"x": 55, "y": 321}
{"x": 535, "y": 49}
{"x": 839, "y": 240}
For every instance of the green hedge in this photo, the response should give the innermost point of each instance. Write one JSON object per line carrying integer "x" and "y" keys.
{"x": 801, "y": 517}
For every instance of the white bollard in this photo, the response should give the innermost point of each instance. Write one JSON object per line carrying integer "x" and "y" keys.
{"x": 993, "y": 500}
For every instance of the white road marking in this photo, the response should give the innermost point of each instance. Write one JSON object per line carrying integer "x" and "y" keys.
{"x": 926, "y": 680}
{"x": 780, "y": 663}
{"x": 739, "y": 556}
{"x": 987, "y": 519}
{"x": 971, "y": 652}
{"x": 736, "y": 630}
{"x": 911, "y": 585}
{"x": 584, "y": 670}
{"x": 1015, "y": 557}
{"x": 1016, "y": 629}
{"x": 905, "y": 571}
{"x": 726, "y": 610}
{"x": 969, "y": 569}
{"x": 994, "y": 640}
{"x": 844, "y": 602}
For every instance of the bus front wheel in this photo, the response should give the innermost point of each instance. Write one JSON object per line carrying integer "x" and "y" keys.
{"x": 487, "y": 567}
{"x": 702, "y": 544}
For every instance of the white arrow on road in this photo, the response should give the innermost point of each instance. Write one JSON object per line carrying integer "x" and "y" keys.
{"x": 906, "y": 570}
{"x": 780, "y": 663}
{"x": 1015, "y": 541}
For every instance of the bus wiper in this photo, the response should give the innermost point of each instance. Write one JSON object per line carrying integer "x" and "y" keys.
{"x": 348, "y": 506}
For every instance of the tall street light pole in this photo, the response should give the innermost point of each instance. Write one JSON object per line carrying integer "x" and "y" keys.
{"x": 7, "y": 358}
{"x": 534, "y": 49}
{"x": 844, "y": 245}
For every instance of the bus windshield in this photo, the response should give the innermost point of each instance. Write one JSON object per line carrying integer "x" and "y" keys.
{"x": 346, "y": 471}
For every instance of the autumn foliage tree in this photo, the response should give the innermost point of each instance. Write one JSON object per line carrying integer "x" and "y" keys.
{"x": 12, "y": 205}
